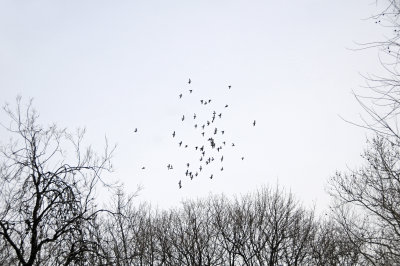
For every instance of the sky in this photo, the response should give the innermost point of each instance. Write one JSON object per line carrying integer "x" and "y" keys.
{"x": 113, "y": 66}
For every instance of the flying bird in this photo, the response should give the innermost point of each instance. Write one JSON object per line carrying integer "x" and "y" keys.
{"x": 183, "y": 117}
{"x": 242, "y": 158}
{"x": 222, "y": 169}
{"x": 190, "y": 91}
{"x": 180, "y": 184}
{"x": 189, "y": 81}
{"x": 229, "y": 87}
{"x": 254, "y": 123}
{"x": 143, "y": 168}
{"x": 226, "y": 106}
{"x": 233, "y": 144}
{"x": 180, "y": 143}
{"x": 194, "y": 116}
{"x": 180, "y": 96}
{"x": 173, "y": 134}
{"x": 222, "y": 158}
{"x": 135, "y": 130}
{"x": 211, "y": 177}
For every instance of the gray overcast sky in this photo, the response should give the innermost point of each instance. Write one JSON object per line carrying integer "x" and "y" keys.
{"x": 112, "y": 66}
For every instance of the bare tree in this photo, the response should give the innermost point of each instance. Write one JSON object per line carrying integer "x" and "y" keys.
{"x": 367, "y": 199}
{"x": 46, "y": 195}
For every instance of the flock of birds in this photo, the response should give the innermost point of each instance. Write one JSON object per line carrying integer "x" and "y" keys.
{"x": 212, "y": 142}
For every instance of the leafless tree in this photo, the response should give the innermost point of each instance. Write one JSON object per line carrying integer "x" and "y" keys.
{"x": 47, "y": 195}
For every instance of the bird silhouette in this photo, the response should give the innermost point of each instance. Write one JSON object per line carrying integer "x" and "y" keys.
{"x": 195, "y": 126}
{"x": 180, "y": 96}
{"x": 143, "y": 168}
{"x": 233, "y": 144}
{"x": 186, "y": 146}
{"x": 254, "y": 123}
{"x": 242, "y": 158}
{"x": 189, "y": 81}
{"x": 180, "y": 143}
{"x": 187, "y": 164}
{"x": 209, "y": 101}
{"x": 229, "y": 87}
{"x": 220, "y": 115}
{"x": 200, "y": 168}
{"x": 226, "y": 106}
{"x": 201, "y": 101}
{"x": 190, "y": 91}
{"x": 135, "y": 130}
{"x": 222, "y": 132}
{"x": 194, "y": 116}
{"x": 222, "y": 158}
{"x": 222, "y": 169}
{"x": 202, "y": 133}
{"x": 183, "y": 117}
{"x": 211, "y": 177}
{"x": 173, "y": 134}
{"x": 180, "y": 184}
